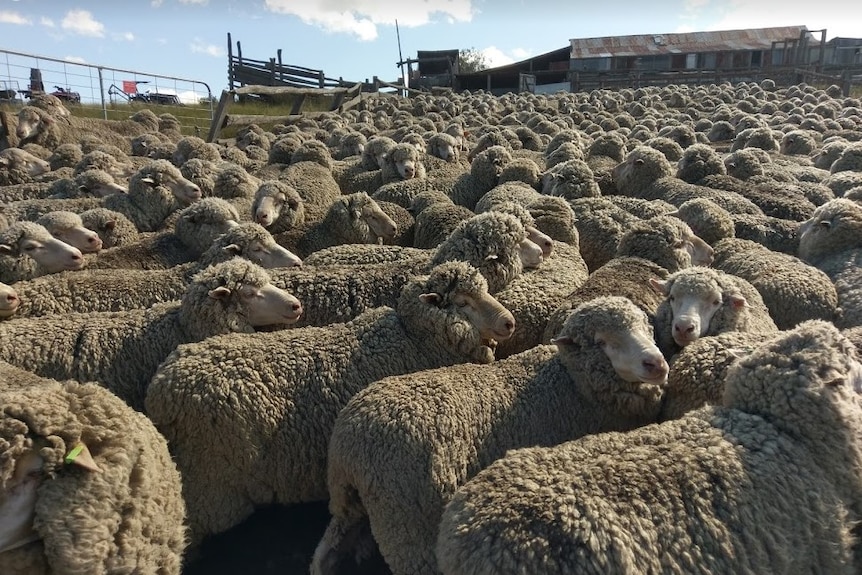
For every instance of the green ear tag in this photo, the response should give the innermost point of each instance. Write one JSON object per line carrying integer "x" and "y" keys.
{"x": 76, "y": 451}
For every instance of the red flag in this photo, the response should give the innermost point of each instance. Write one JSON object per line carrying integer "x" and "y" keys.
{"x": 130, "y": 87}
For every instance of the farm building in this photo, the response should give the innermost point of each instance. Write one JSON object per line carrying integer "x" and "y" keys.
{"x": 616, "y": 61}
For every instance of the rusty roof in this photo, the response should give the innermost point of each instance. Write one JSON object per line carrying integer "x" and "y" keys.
{"x": 685, "y": 43}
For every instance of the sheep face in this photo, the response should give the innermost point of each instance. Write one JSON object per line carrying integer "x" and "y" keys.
{"x": 98, "y": 183}
{"x": 262, "y": 306}
{"x": 834, "y": 227}
{"x": 9, "y": 301}
{"x": 31, "y": 122}
{"x": 445, "y": 148}
{"x": 456, "y": 308}
{"x": 185, "y": 191}
{"x": 34, "y": 241}
{"x": 18, "y": 507}
{"x": 642, "y": 167}
{"x": 544, "y": 241}
{"x": 272, "y": 201}
{"x": 380, "y": 224}
{"x": 614, "y": 328}
{"x": 266, "y": 253}
{"x": 16, "y": 158}
{"x": 531, "y": 253}
{"x": 694, "y": 300}
{"x": 80, "y": 237}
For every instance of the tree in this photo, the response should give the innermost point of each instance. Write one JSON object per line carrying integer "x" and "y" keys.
{"x": 471, "y": 60}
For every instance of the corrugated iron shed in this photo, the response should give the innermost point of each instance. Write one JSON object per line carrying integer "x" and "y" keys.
{"x": 685, "y": 43}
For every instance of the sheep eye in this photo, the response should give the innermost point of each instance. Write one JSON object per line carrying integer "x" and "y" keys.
{"x": 671, "y": 298}
{"x": 717, "y": 302}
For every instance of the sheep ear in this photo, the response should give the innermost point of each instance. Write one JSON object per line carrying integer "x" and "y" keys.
{"x": 491, "y": 257}
{"x": 6, "y": 249}
{"x": 292, "y": 203}
{"x": 220, "y": 292}
{"x": 431, "y": 298}
{"x": 674, "y": 213}
{"x": 661, "y": 287}
{"x": 110, "y": 224}
{"x": 563, "y": 341}
{"x": 190, "y": 218}
{"x": 148, "y": 180}
{"x": 639, "y": 162}
{"x": 84, "y": 189}
{"x": 233, "y": 249}
{"x": 80, "y": 455}
{"x": 4, "y": 161}
{"x": 826, "y": 224}
{"x": 737, "y": 301}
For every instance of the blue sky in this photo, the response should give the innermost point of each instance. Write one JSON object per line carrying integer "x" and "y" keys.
{"x": 356, "y": 39}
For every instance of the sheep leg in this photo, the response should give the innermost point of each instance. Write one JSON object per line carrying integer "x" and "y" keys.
{"x": 344, "y": 540}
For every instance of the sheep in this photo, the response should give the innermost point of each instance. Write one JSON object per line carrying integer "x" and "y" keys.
{"x": 651, "y": 248}
{"x": 86, "y": 484}
{"x": 571, "y": 179}
{"x": 93, "y": 182}
{"x": 277, "y": 206}
{"x": 9, "y": 301}
{"x": 155, "y": 191}
{"x": 698, "y": 371}
{"x": 309, "y": 373}
{"x": 444, "y": 146}
{"x": 849, "y": 160}
{"x": 28, "y": 250}
{"x": 830, "y": 241}
{"x": 438, "y": 428}
{"x": 18, "y": 166}
{"x": 646, "y": 174}
{"x": 700, "y": 301}
{"x": 403, "y": 162}
{"x": 709, "y": 221}
{"x": 121, "y": 350}
{"x": 315, "y": 184}
{"x": 69, "y": 227}
{"x": 436, "y": 217}
{"x": 768, "y": 482}
{"x": 792, "y": 290}
{"x": 600, "y": 225}
{"x": 485, "y": 169}
{"x": 352, "y": 219}
{"x": 36, "y": 126}
{"x": 194, "y": 230}
{"x": 124, "y": 289}
{"x": 114, "y": 228}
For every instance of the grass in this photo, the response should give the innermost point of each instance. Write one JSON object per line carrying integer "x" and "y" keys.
{"x": 195, "y": 118}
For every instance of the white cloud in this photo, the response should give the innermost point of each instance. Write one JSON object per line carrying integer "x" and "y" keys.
{"x": 521, "y": 53}
{"x": 201, "y": 2}
{"x": 47, "y": 22}
{"x": 82, "y": 22}
{"x": 198, "y": 46}
{"x": 361, "y": 17}
{"x": 830, "y": 14}
{"x": 495, "y": 57}
{"x": 7, "y": 17}
{"x": 75, "y": 59}
{"x": 127, "y": 36}
{"x": 156, "y": 3}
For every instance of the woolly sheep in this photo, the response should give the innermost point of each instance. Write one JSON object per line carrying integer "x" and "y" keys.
{"x": 709, "y": 221}
{"x": 646, "y": 173}
{"x": 68, "y": 227}
{"x": 35, "y": 126}
{"x": 277, "y": 206}
{"x": 436, "y": 217}
{"x": 700, "y": 301}
{"x": 438, "y": 428}
{"x": 9, "y": 301}
{"x": 792, "y": 290}
{"x": 121, "y": 350}
{"x": 650, "y": 249}
{"x": 195, "y": 228}
{"x": 114, "y": 228}
{"x": 28, "y": 250}
{"x": 768, "y": 482}
{"x": 86, "y": 484}
{"x": 849, "y": 160}
{"x": 352, "y": 219}
{"x": 830, "y": 240}
{"x": 485, "y": 169}
{"x": 316, "y": 186}
{"x": 18, "y": 166}
{"x": 124, "y": 289}
{"x": 698, "y": 371}
{"x": 572, "y": 179}
{"x": 443, "y": 146}
{"x": 155, "y": 191}
{"x": 306, "y": 375}
{"x": 92, "y": 182}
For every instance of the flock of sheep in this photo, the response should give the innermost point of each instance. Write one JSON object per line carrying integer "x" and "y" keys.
{"x": 604, "y": 332}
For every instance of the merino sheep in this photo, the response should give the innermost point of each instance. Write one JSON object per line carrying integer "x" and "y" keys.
{"x": 9, "y": 301}
{"x": 436, "y": 217}
{"x": 28, "y": 250}
{"x": 792, "y": 290}
{"x": 830, "y": 241}
{"x": 120, "y": 289}
{"x": 86, "y": 484}
{"x": 69, "y": 227}
{"x": 647, "y": 174}
{"x": 650, "y": 249}
{"x": 438, "y": 428}
{"x": 36, "y": 126}
{"x": 93, "y": 182}
{"x": 195, "y": 229}
{"x": 766, "y": 483}
{"x": 155, "y": 191}
{"x": 121, "y": 350}
{"x": 114, "y": 228}
{"x": 700, "y": 301}
{"x": 277, "y": 206}
{"x": 485, "y": 170}
{"x": 18, "y": 166}
{"x": 351, "y": 219}
{"x": 305, "y": 376}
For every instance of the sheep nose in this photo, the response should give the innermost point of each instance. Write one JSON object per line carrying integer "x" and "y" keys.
{"x": 76, "y": 257}
{"x": 655, "y": 366}
{"x": 684, "y": 329}
{"x": 263, "y": 219}
{"x": 296, "y": 307}
{"x": 11, "y": 298}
